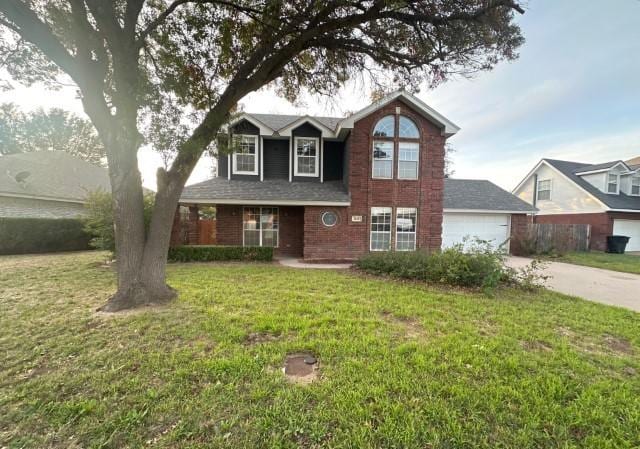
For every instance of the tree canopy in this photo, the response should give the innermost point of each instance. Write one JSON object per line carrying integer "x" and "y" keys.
{"x": 52, "y": 130}
{"x": 135, "y": 60}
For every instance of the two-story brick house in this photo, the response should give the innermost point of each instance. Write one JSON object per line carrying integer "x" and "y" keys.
{"x": 327, "y": 188}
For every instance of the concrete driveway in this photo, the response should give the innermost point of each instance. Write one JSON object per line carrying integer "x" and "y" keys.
{"x": 594, "y": 284}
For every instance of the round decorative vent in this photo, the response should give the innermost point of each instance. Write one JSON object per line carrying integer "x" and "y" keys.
{"x": 329, "y": 218}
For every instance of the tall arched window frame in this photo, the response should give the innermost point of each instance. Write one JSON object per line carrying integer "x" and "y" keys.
{"x": 396, "y": 135}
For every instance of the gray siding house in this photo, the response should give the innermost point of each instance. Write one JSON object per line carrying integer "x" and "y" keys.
{"x": 47, "y": 184}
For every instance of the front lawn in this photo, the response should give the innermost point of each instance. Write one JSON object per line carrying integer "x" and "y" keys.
{"x": 400, "y": 365}
{"x": 626, "y": 263}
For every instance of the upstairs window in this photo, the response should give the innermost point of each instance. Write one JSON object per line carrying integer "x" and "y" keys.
{"x": 383, "y": 159}
{"x": 612, "y": 183}
{"x": 245, "y": 159}
{"x": 408, "y": 160}
{"x": 385, "y": 127}
{"x": 544, "y": 190}
{"x": 306, "y": 161}
{"x": 396, "y": 136}
{"x": 408, "y": 129}
{"x": 635, "y": 185}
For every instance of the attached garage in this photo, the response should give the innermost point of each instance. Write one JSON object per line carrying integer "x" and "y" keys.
{"x": 630, "y": 228}
{"x": 494, "y": 228}
{"x": 478, "y": 208}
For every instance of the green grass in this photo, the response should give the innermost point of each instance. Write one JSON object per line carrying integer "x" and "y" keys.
{"x": 402, "y": 366}
{"x": 627, "y": 263}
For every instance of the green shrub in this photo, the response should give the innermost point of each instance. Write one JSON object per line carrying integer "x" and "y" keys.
{"x": 98, "y": 221}
{"x": 206, "y": 253}
{"x": 476, "y": 266}
{"x": 42, "y": 235}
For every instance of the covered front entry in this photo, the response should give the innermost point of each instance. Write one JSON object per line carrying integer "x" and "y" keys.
{"x": 281, "y": 227}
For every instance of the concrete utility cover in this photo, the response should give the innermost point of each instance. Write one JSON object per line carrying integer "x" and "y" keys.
{"x": 301, "y": 368}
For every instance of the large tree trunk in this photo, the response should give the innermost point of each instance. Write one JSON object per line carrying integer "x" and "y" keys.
{"x": 141, "y": 281}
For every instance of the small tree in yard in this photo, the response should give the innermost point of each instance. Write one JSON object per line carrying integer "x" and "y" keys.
{"x": 133, "y": 59}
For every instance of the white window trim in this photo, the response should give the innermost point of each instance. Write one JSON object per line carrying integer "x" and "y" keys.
{"x": 606, "y": 184}
{"x": 260, "y": 230}
{"x": 295, "y": 157}
{"x": 631, "y": 189}
{"x": 255, "y": 160}
{"x": 415, "y": 233}
{"x": 400, "y": 160}
{"x": 373, "y": 159}
{"x": 392, "y": 221}
{"x": 538, "y": 189}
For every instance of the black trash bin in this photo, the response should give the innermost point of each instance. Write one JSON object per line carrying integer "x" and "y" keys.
{"x": 617, "y": 243}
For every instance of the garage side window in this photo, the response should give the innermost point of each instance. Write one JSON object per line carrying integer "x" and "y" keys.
{"x": 406, "y": 228}
{"x": 380, "y": 229}
{"x": 544, "y": 190}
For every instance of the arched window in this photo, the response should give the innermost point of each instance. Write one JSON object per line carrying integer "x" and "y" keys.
{"x": 385, "y": 127}
{"x": 407, "y": 129}
{"x": 402, "y": 143}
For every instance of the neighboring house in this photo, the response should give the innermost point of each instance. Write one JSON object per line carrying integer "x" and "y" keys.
{"x": 328, "y": 188}
{"x": 47, "y": 184}
{"x": 605, "y": 196}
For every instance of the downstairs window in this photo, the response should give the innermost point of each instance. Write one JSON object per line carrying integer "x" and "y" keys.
{"x": 260, "y": 226}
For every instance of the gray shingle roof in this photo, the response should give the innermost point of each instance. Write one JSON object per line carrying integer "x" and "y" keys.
{"x": 218, "y": 189}
{"x": 603, "y": 166}
{"x": 477, "y": 194}
{"x": 278, "y": 121}
{"x": 569, "y": 169}
{"x": 51, "y": 174}
{"x": 458, "y": 193}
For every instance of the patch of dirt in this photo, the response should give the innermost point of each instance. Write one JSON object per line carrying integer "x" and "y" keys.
{"x": 565, "y": 332}
{"x": 618, "y": 345}
{"x": 156, "y": 308}
{"x": 536, "y": 345}
{"x": 629, "y": 371}
{"x": 256, "y": 338}
{"x": 301, "y": 368}
{"x": 411, "y": 327}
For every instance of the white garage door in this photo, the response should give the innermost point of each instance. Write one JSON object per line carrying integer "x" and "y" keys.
{"x": 491, "y": 227}
{"x": 630, "y": 228}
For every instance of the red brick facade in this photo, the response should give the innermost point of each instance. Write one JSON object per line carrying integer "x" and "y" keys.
{"x": 601, "y": 224}
{"x": 348, "y": 239}
{"x": 518, "y": 229}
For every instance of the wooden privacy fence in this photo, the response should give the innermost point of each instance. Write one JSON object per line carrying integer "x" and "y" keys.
{"x": 206, "y": 232}
{"x": 543, "y": 238}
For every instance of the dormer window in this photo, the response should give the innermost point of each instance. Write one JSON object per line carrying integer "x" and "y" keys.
{"x": 245, "y": 159}
{"x": 613, "y": 183}
{"x": 635, "y": 185}
{"x": 307, "y": 151}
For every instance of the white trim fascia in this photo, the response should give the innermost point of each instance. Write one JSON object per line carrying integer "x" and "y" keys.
{"x": 542, "y": 161}
{"x": 321, "y": 160}
{"x": 43, "y": 198}
{"x": 572, "y": 212}
{"x": 266, "y": 202}
{"x": 261, "y": 159}
{"x": 449, "y": 128}
{"x": 264, "y": 129}
{"x": 487, "y": 211}
{"x": 286, "y": 130}
{"x": 256, "y": 163}
{"x": 316, "y": 172}
{"x": 290, "y": 160}
{"x": 229, "y": 167}
{"x": 600, "y": 170}
{"x": 625, "y": 210}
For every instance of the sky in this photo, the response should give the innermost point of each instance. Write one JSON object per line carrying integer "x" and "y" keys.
{"x": 573, "y": 94}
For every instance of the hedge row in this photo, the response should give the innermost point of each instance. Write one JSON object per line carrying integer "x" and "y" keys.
{"x": 42, "y": 235}
{"x": 203, "y": 253}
